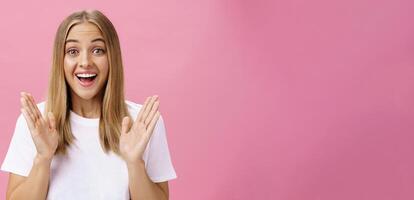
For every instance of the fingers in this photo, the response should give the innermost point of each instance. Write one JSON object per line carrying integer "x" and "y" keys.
{"x": 141, "y": 111}
{"x": 152, "y": 113}
{"x": 27, "y": 112}
{"x": 30, "y": 106}
{"x": 34, "y": 106}
{"x": 29, "y": 119}
{"x": 152, "y": 124}
{"x": 31, "y": 113}
{"x": 146, "y": 110}
{"x": 125, "y": 125}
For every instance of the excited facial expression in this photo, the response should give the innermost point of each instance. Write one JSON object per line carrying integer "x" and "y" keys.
{"x": 86, "y": 62}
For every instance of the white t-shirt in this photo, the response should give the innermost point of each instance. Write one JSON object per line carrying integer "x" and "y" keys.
{"x": 86, "y": 172}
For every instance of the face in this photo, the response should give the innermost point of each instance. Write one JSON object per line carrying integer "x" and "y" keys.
{"x": 86, "y": 62}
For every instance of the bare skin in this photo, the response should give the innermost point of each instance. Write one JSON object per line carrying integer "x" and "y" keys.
{"x": 86, "y": 52}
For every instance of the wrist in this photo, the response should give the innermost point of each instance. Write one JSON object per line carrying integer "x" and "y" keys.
{"x": 40, "y": 159}
{"x": 135, "y": 164}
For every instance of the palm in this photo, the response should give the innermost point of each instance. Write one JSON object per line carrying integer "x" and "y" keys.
{"x": 45, "y": 138}
{"x": 42, "y": 128}
{"x": 133, "y": 143}
{"x": 133, "y": 140}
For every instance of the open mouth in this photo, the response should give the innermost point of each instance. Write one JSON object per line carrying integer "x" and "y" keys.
{"x": 86, "y": 79}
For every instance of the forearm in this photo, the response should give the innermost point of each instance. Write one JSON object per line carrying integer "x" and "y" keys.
{"x": 141, "y": 186}
{"x": 36, "y": 184}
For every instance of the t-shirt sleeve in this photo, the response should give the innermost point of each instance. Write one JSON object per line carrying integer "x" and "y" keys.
{"x": 158, "y": 161}
{"x": 21, "y": 152}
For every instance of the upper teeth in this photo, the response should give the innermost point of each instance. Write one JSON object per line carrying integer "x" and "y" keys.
{"x": 86, "y": 75}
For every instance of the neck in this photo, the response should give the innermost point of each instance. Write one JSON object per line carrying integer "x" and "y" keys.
{"x": 88, "y": 108}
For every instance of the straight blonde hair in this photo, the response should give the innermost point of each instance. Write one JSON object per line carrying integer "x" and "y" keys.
{"x": 113, "y": 107}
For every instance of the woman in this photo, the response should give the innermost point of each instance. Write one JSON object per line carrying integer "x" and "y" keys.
{"x": 86, "y": 145}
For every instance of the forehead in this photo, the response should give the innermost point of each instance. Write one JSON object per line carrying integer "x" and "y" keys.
{"x": 83, "y": 30}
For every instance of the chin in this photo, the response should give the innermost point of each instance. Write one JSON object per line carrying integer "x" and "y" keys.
{"x": 86, "y": 95}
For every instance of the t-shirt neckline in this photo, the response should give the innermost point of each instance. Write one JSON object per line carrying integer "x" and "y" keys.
{"x": 83, "y": 120}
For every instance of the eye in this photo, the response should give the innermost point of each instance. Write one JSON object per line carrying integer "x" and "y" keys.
{"x": 72, "y": 52}
{"x": 98, "y": 51}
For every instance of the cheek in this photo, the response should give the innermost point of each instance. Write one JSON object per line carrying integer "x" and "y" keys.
{"x": 103, "y": 66}
{"x": 68, "y": 66}
{"x": 106, "y": 70}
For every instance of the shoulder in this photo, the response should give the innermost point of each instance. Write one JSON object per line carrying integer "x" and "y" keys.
{"x": 133, "y": 107}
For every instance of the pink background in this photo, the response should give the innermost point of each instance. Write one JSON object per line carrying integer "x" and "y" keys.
{"x": 295, "y": 99}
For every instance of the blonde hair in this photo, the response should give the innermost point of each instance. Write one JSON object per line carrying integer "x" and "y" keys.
{"x": 113, "y": 104}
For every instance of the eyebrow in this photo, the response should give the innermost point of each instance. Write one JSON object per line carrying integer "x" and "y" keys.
{"x": 94, "y": 40}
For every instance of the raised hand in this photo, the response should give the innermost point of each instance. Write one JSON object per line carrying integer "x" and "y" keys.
{"x": 133, "y": 140}
{"x": 42, "y": 128}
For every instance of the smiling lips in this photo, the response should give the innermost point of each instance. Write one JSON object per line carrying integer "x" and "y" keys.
{"x": 86, "y": 79}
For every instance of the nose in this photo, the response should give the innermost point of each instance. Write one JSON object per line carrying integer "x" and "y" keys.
{"x": 84, "y": 59}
